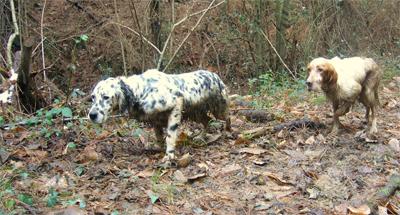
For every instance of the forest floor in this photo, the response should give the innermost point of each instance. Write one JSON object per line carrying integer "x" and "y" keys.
{"x": 84, "y": 168}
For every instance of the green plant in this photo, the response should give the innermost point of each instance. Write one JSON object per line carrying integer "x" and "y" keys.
{"x": 52, "y": 198}
{"x": 71, "y": 202}
{"x": 318, "y": 100}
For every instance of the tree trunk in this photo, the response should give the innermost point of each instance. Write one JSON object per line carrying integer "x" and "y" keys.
{"x": 282, "y": 23}
{"x": 26, "y": 99}
{"x": 258, "y": 39}
{"x": 155, "y": 23}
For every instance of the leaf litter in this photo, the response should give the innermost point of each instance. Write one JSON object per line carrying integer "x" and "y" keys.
{"x": 303, "y": 170}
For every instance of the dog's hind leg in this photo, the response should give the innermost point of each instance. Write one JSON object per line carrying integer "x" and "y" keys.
{"x": 174, "y": 121}
{"x": 159, "y": 136}
{"x": 374, "y": 128}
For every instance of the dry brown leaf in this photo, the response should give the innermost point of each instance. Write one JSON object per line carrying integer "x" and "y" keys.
{"x": 145, "y": 173}
{"x": 362, "y": 210}
{"x": 253, "y": 151}
{"x": 184, "y": 161}
{"x": 241, "y": 140}
{"x": 203, "y": 165}
{"x": 38, "y": 153}
{"x": 342, "y": 208}
{"x": 231, "y": 169}
{"x": 212, "y": 137}
{"x": 311, "y": 175}
{"x": 19, "y": 129}
{"x": 180, "y": 177}
{"x": 278, "y": 180}
{"x": 382, "y": 210}
{"x": 310, "y": 141}
{"x": 89, "y": 153}
{"x": 104, "y": 134}
{"x": 295, "y": 154}
{"x": 197, "y": 176}
{"x": 394, "y": 143}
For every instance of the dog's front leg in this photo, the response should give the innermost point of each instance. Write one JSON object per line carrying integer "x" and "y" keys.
{"x": 336, "y": 123}
{"x": 174, "y": 121}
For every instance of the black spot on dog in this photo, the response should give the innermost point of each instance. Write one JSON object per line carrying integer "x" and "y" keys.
{"x": 171, "y": 151}
{"x": 162, "y": 101}
{"x": 152, "y": 80}
{"x": 153, "y": 104}
{"x": 173, "y": 127}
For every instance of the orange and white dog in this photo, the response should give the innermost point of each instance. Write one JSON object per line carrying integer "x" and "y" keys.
{"x": 345, "y": 81}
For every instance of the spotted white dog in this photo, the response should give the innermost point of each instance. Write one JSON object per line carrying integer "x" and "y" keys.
{"x": 163, "y": 101}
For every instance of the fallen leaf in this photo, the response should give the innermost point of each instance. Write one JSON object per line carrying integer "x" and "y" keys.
{"x": 241, "y": 140}
{"x": 179, "y": 176}
{"x": 295, "y": 154}
{"x": 89, "y": 153}
{"x": 363, "y": 209}
{"x": 203, "y": 165}
{"x": 342, "y": 208}
{"x": 197, "y": 176}
{"x": 313, "y": 193}
{"x": 145, "y": 173}
{"x": 394, "y": 143}
{"x": 19, "y": 129}
{"x": 231, "y": 169}
{"x": 367, "y": 170}
{"x": 253, "y": 151}
{"x": 210, "y": 138}
{"x": 310, "y": 141}
{"x": 382, "y": 210}
{"x": 278, "y": 180}
{"x": 184, "y": 161}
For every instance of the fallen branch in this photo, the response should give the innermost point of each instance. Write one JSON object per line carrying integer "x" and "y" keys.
{"x": 276, "y": 128}
{"x": 382, "y": 197}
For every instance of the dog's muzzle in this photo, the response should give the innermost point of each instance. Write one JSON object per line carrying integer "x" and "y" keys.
{"x": 93, "y": 116}
{"x": 309, "y": 86}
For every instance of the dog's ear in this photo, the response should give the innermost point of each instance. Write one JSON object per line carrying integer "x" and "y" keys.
{"x": 125, "y": 97}
{"x": 329, "y": 76}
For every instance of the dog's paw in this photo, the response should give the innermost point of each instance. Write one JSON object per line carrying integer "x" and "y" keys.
{"x": 168, "y": 157}
{"x": 373, "y": 130}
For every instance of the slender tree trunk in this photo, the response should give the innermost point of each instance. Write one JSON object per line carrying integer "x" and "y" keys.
{"x": 155, "y": 23}
{"x": 282, "y": 23}
{"x": 28, "y": 101}
{"x": 258, "y": 38}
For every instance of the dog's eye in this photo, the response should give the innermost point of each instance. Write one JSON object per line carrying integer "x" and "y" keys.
{"x": 106, "y": 97}
{"x": 320, "y": 70}
{"x": 93, "y": 97}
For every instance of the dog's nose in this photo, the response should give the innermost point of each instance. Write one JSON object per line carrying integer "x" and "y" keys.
{"x": 93, "y": 116}
{"x": 309, "y": 85}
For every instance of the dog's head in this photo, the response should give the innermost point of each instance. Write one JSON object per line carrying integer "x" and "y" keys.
{"x": 109, "y": 97}
{"x": 321, "y": 74}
